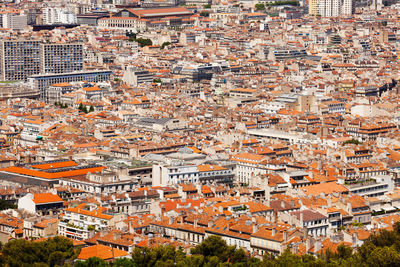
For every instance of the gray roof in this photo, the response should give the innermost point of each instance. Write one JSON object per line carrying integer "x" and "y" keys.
{"x": 151, "y": 121}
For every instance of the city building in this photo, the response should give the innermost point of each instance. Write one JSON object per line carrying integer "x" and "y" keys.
{"x": 58, "y": 15}
{"x": 14, "y": 21}
{"x": 41, "y": 204}
{"x": 21, "y": 59}
{"x": 76, "y": 223}
{"x": 61, "y": 58}
{"x": 43, "y": 81}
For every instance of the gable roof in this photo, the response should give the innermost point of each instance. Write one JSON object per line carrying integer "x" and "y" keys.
{"x": 102, "y": 252}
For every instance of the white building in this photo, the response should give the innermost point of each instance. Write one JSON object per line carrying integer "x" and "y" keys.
{"x": 42, "y": 204}
{"x": 56, "y": 15}
{"x": 134, "y": 76}
{"x": 329, "y": 8}
{"x": 167, "y": 175}
{"x": 348, "y": 7}
{"x": 335, "y": 8}
{"x": 79, "y": 221}
{"x": 31, "y": 131}
{"x": 14, "y": 21}
{"x": 248, "y": 166}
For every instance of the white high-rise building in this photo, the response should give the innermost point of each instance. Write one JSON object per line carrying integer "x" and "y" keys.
{"x": 334, "y": 8}
{"x": 329, "y": 8}
{"x": 56, "y": 15}
{"x": 14, "y": 21}
{"x": 348, "y": 7}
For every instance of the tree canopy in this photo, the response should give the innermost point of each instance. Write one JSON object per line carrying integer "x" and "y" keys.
{"x": 381, "y": 249}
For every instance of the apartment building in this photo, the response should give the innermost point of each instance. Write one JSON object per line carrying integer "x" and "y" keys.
{"x": 61, "y": 58}
{"x": 165, "y": 175}
{"x": 77, "y": 222}
{"x": 57, "y": 15}
{"x": 20, "y": 59}
{"x": 42, "y": 204}
{"x": 285, "y": 53}
{"x": 348, "y": 7}
{"x": 313, "y": 7}
{"x": 14, "y": 21}
{"x": 134, "y": 76}
{"x": 332, "y": 8}
{"x": 42, "y": 82}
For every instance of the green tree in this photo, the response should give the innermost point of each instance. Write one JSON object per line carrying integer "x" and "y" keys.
{"x": 5, "y": 205}
{"x": 91, "y": 262}
{"x": 383, "y": 256}
{"x": 205, "y": 14}
{"x": 84, "y": 109}
{"x": 352, "y": 141}
{"x": 213, "y": 246}
{"x": 260, "y": 6}
{"x": 288, "y": 259}
{"x": 91, "y": 109}
{"x": 124, "y": 262}
{"x": 144, "y": 42}
{"x": 52, "y": 251}
{"x": 344, "y": 252}
{"x": 208, "y": 6}
{"x": 165, "y": 44}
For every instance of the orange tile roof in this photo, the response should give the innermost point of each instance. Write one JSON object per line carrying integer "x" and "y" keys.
{"x": 102, "y": 252}
{"x": 55, "y": 165}
{"x": 56, "y": 175}
{"x": 46, "y": 198}
{"x": 61, "y": 85}
{"x": 326, "y": 188}
{"x": 210, "y": 167}
{"x": 98, "y": 213}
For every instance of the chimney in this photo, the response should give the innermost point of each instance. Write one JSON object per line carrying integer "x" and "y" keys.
{"x": 308, "y": 244}
{"x": 117, "y": 235}
{"x": 355, "y": 238}
{"x": 255, "y": 228}
{"x": 285, "y": 236}
{"x": 317, "y": 246}
{"x": 195, "y": 222}
{"x": 161, "y": 193}
{"x": 301, "y": 219}
{"x": 348, "y": 207}
{"x": 283, "y": 204}
{"x": 171, "y": 220}
{"x": 273, "y": 231}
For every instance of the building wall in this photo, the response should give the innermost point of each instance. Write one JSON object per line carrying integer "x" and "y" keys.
{"x": 26, "y": 203}
{"x": 19, "y": 59}
{"x": 61, "y": 58}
